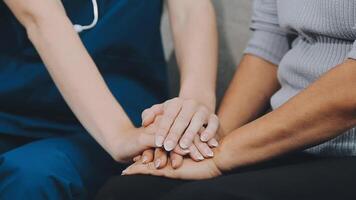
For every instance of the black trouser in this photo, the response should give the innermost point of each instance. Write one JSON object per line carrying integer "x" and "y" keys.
{"x": 293, "y": 177}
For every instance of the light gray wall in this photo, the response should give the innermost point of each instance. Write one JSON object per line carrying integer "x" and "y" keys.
{"x": 233, "y": 21}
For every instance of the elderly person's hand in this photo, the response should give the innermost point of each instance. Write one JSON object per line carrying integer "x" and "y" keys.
{"x": 190, "y": 170}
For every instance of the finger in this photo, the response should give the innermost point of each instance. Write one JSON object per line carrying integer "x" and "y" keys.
{"x": 143, "y": 169}
{"x": 211, "y": 129}
{"x": 171, "y": 110}
{"x": 153, "y": 127}
{"x": 137, "y": 158}
{"x": 146, "y": 140}
{"x": 160, "y": 158}
{"x": 203, "y": 148}
{"x": 149, "y": 115}
{"x": 147, "y": 156}
{"x": 176, "y": 159}
{"x": 195, "y": 154}
{"x": 198, "y": 120}
{"x": 180, "y": 151}
{"x": 213, "y": 143}
{"x": 180, "y": 124}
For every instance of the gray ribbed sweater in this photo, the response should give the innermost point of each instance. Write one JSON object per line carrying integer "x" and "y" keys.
{"x": 305, "y": 38}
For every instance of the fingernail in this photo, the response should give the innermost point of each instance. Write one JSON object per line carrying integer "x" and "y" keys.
{"x": 157, "y": 163}
{"x": 200, "y": 157}
{"x": 159, "y": 141}
{"x": 123, "y": 172}
{"x": 143, "y": 118}
{"x": 204, "y": 138}
{"x": 186, "y": 150}
{"x": 169, "y": 145}
{"x": 209, "y": 152}
{"x": 214, "y": 143}
{"x": 144, "y": 159}
{"x": 184, "y": 144}
{"x": 174, "y": 163}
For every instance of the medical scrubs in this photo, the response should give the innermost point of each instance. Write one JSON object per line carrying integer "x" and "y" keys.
{"x": 44, "y": 151}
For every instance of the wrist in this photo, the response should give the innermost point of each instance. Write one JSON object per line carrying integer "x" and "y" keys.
{"x": 222, "y": 158}
{"x": 206, "y": 97}
{"x": 237, "y": 149}
{"x": 115, "y": 139}
{"x": 249, "y": 144}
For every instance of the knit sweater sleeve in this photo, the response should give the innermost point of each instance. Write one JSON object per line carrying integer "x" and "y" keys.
{"x": 269, "y": 41}
{"x": 352, "y": 53}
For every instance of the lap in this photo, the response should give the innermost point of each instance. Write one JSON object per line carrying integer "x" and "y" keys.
{"x": 287, "y": 178}
{"x": 320, "y": 179}
{"x": 8, "y": 142}
{"x": 137, "y": 187}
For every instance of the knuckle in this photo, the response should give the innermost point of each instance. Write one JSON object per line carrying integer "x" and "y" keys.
{"x": 204, "y": 109}
{"x": 145, "y": 112}
{"x": 189, "y": 135}
{"x": 173, "y": 136}
{"x": 214, "y": 117}
{"x": 175, "y": 101}
{"x": 200, "y": 117}
{"x": 156, "y": 106}
{"x": 169, "y": 115}
{"x": 183, "y": 120}
{"x": 190, "y": 102}
{"x": 190, "y": 132}
{"x": 176, "y": 128}
{"x": 163, "y": 128}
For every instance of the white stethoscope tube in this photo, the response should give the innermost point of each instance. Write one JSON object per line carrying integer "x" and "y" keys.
{"x": 79, "y": 28}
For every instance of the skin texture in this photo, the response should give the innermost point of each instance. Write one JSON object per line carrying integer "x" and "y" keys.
{"x": 319, "y": 113}
{"x": 60, "y": 48}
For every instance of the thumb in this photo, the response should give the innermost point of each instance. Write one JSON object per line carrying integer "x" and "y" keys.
{"x": 149, "y": 115}
{"x": 146, "y": 169}
{"x": 146, "y": 141}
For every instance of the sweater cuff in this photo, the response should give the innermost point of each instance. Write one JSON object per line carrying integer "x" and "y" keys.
{"x": 268, "y": 46}
{"x": 352, "y": 53}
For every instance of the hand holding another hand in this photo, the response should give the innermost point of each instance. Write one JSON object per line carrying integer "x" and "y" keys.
{"x": 181, "y": 121}
{"x": 181, "y": 131}
{"x": 190, "y": 169}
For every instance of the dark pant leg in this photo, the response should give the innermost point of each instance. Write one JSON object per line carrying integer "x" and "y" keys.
{"x": 292, "y": 177}
{"x": 324, "y": 179}
{"x": 137, "y": 187}
{"x": 151, "y": 187}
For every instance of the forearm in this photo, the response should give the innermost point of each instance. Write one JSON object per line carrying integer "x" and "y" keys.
{"x": 249, "y": 93}
{"x": 319, "y": 113}
{"x": 73, "y": 70}
{"x": 195, "y": 38}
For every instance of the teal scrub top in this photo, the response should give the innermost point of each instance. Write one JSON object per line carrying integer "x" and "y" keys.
{"x": 126, "y": 45}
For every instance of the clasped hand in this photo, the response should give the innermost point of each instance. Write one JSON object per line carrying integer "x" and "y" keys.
{"x": 185, "y": 137}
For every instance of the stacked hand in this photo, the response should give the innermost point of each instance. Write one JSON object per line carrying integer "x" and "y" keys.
{"x": 183, "y": 127}
{"x": 190, "y": 169}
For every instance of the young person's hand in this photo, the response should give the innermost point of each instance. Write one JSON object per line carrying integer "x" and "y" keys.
{"x": 132, "y": 142}
{"x": 190, "y": 170}
{"x": 160, "y": 157}
{"x": 181, "y": 121}
{"x": 198, "y": 151}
